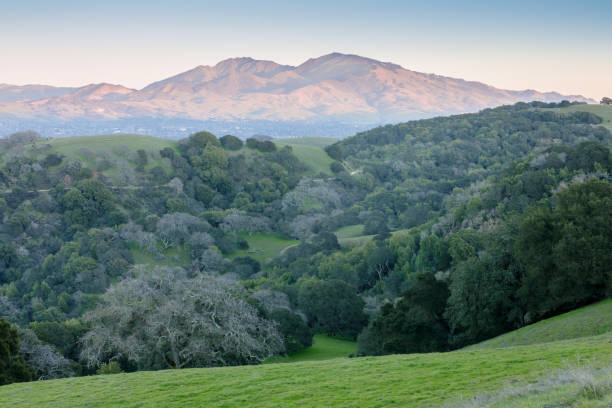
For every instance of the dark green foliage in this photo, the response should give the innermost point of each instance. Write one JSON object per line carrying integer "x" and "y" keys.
{"x": 375, "y": 224}
{"x": 567, "y": 251}
{"x": 199, "y": 141}
{"x": 8, "y": 257}
{"x": 141, "y": 159}
{"x": 262, "y": 146}
{"x": 335, "y": 151}
{"x": 230, "y": 142}
{"x": 64, "y": 336}
{"x": 167, "y": 152}
{"x": 245, "y": 266}
{"x": 51, "y": 160}
{"x": 296, "y": 334}
{"x": 332, "y": 307}
{"x": 12, "y": 365}
{"x": 87, "y": 203}
{"x": 336, "y": 167}
{"x": 587, "y": 155}
{"x": 413, "y": 324}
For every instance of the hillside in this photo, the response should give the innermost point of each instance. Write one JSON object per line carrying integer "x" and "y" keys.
{"x": 603, "y": 111}
{"x": 400, "y": 380}
{"x": 426, "y": 236}
{"x": 587, "y": 321}
{"x": 336, "y": 87}
{"x": 310, "y": 151}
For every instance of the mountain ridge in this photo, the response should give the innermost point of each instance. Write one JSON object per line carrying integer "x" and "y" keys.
{"x": 330, "y": 87}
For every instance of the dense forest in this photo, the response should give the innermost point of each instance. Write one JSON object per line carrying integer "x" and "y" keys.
{"x": 473, "y": 225}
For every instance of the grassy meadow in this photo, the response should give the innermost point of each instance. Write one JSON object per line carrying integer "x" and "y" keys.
{"x": 411, "y": 380}
{"x": 323, "y": 348}
{"x": 588, "y": 321}
{"x": 603, "y": 111}
{"x": 310, "y": 151}
{"x": 263, "y": 246}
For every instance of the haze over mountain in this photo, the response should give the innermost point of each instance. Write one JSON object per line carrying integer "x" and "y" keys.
{"x": 334, "y": 87}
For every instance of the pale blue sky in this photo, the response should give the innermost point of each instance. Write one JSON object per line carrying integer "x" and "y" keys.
{"x": 546, "y": 45}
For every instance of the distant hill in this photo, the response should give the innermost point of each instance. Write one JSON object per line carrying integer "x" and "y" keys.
{"x": 335, "y": 87}
{"x": 14, "y": 93}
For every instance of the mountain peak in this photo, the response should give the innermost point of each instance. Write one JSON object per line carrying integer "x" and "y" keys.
{"x": 261, "y": 68}
{"x": 101, "y": 91}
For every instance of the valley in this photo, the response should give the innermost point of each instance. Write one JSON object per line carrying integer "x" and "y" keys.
{"x": 365, "y": 247}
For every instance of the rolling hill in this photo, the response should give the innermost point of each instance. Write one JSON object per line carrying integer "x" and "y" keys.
{"x": 399, "y": 380}
{"x": 587, "y": 321}
{"x": 603, "y": 111}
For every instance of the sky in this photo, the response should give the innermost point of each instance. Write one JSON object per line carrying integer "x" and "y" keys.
{"x": 563, "y": 46}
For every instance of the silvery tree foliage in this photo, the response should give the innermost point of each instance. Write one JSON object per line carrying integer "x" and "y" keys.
{"x": 165, "y": 321}
{"x": 47, "y": 363}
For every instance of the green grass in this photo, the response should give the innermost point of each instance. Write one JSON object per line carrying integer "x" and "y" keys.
{"x": 323, "y": 348}
{"x": 349, "y": 231}
{"x": 310, "y": 151}
{"x": 172, "y": 257}
{"x": 352, "y": 235}
{"x": 413, "y": 380}
{"x": 319, "y": 142}
{"x": 71, "y": 145}
{"x": 264, "y": 247}
{"x": 88, "y": 149}
{"x": 604, "y": 111}
{"x": 587, "y": 321}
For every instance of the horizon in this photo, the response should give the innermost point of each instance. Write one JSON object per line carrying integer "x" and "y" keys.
{"x": 134, "y": 44}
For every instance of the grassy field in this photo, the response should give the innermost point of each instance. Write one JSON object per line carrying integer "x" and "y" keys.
{"x": 172, "y": 257}
{"x": 319, "y": 142}
{"x": 604, "y": 111}
{"x": 114, "y": 148}
{"x": 587, "y": 321}
{"x": 413, "y": 380}
{"x": 352, "y": 236}
{"x": 264, "y": 247}
{"x": 71, "y": 145}
{"x": 309, "y": 150}
{"x": 323, "y": 348}
{"x": 349, "y": 231}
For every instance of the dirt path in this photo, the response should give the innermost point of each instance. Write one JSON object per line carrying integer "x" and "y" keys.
{"x": 282, "y": 251}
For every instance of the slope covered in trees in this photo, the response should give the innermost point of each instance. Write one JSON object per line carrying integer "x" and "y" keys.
{"x": 479, "y": 224}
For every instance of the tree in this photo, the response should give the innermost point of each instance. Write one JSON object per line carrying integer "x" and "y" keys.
{"x": 167, "y": 321}
{"x": 42, "y": 358}
{"x": 606, "y": 101}
{"x": 414, "y": 324}
{"x": 332, "y": 307}
{"x": 87, "y": 203}
{"x": 567, "y": 250}
{"x": 296, "y": 334}
{"x": 12, "y": 365}
{"x": 230, "y": 142}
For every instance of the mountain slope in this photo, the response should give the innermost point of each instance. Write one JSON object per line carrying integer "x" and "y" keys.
{"x": 331, "y": 87}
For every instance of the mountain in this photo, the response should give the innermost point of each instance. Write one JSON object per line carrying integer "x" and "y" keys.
{"x": 336, "y": 87}
{"x": 14, "y": 93}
